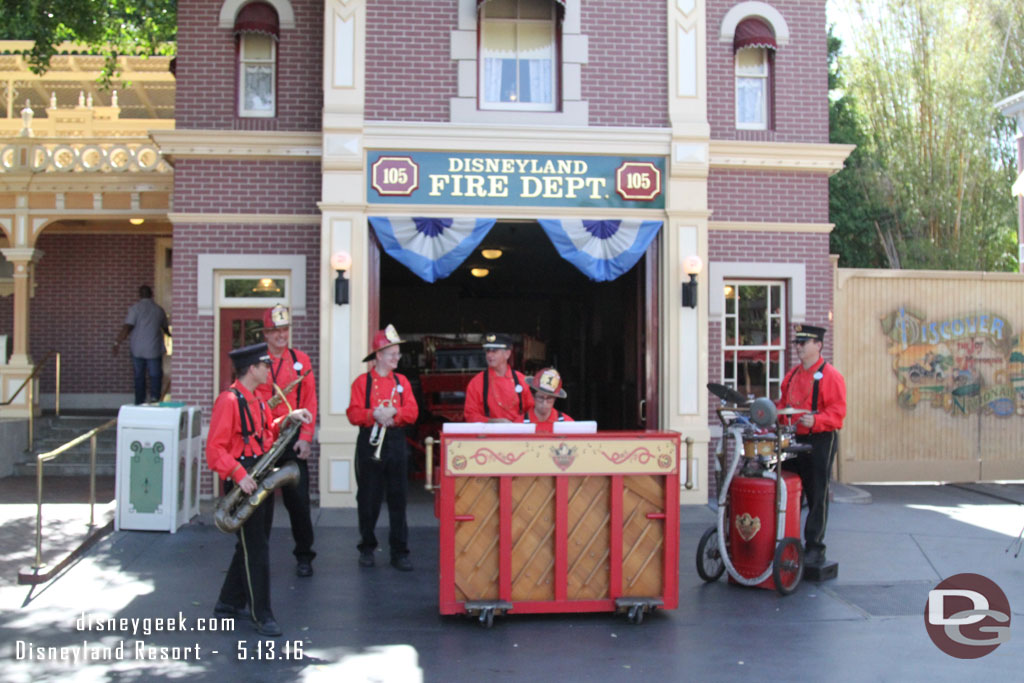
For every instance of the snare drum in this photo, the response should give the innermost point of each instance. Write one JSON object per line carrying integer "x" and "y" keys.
{"x": 762, "y": 444}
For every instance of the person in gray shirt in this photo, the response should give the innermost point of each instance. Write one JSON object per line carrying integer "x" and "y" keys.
{"x": 146, "y": 324}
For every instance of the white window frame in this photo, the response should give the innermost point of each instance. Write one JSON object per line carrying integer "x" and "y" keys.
{"x": 769, "y": 345}
{"x": 243, "y": 61}
{"x": 766, "y": 84}
{"x": 225, "y": 301}
{"x": 485, "y": 21}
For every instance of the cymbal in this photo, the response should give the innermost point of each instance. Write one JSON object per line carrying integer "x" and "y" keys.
{"x": 727, "y": 394}
{"x": 793, "y": 411}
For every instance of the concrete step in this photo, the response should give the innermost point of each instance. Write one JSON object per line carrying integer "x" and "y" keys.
{"x": 52, "y": 432}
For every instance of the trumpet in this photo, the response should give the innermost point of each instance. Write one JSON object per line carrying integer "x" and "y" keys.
{"x": 379, "y": 430}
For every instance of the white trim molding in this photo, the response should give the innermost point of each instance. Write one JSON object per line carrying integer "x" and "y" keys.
{"x": 208, "y": 264}
{"x": 238, "y": 144}
{"x": 229, "y": 10}
{"x": 760, "y": 10}
{"x": 774, "y": 156}
{"x": 747, "y": 226}
{"x": 795, "y": 273}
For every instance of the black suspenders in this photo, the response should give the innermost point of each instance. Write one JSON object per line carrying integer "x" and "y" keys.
{"x": 814, "y": 390}
{"x": 248, "y": 423}
{"x": 515, "y": 378}
{"x": 369, "y": 386}
{"x": 298, "y": 389}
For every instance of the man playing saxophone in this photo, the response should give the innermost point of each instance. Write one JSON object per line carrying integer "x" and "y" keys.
{"x": 242, "y": 429}
{"x": 291, "y": 383}
{"x": 382, "y": 402}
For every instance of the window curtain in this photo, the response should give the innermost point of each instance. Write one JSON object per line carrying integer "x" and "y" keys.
{"x": 432, "y": 248}
{"x": 601, "y": 250}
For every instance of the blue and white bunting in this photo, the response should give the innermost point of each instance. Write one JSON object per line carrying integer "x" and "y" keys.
{"x": 602, "y": 250}
{"x": 430, "y": 247}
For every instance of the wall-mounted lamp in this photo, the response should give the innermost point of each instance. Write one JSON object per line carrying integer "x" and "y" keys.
{"x": 479, "y": 272}
{"x": 491, "y": 254}
{"x": 691, "y": 266}
{"x": 136, "y": 221}
{"x": 341, "y": 261}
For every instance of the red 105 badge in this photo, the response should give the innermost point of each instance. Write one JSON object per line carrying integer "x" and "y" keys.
{"x": 638, "y": 181}
{"x": 395, "y": 176}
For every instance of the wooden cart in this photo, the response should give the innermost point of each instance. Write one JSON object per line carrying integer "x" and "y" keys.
{"x": 534, "y": 523}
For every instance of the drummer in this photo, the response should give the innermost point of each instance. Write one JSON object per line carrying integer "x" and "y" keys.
{"x": 817, "y": 387}
{"x": 546, "y": 386}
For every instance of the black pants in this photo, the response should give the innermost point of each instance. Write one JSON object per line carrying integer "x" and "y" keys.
{"x": 248, "y": 578}
{"x": 296, "y": 501}
{"x": 378, "y": 480}
{"x": 815, "y": 471}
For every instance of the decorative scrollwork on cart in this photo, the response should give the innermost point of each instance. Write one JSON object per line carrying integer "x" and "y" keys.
{"x": 641, "y": 454}
{"x": 485, "y": 455}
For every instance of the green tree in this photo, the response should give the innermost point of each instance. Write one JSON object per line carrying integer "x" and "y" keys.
{"x": 862, "y": 235}
{"x": 937, "y": 158}
{"x": 108, "y": 27}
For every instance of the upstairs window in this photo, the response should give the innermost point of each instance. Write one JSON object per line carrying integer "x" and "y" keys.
{"x": 257, "y": 30}
{"x": 754, "y": 47}
{"x": 518, "y": 55}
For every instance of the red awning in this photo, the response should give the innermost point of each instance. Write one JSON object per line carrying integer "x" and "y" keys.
{"x": 753, "y": 33}
{"x": 258, "y": 17}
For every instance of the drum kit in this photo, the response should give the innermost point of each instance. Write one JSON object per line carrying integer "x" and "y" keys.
{"x": 760, "y": 443}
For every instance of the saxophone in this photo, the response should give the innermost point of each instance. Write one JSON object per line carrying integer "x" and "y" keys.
{"x": 233, "y": 509}
{"x": 279, "y": 393}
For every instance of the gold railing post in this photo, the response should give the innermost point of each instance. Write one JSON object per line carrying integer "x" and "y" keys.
{"x": 39, "y": 515}
{"x": 92, "y": 480}
{"x": 428, "y": 444}
{"x": 689, "y": 463}
{"x": 31, "y": 413}
{"x": 57, "y": 399}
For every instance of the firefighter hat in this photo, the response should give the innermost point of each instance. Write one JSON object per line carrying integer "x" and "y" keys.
{"x": 547, "y": 381}
{"x": 275, "y": 317}
{"x": 497, "y": 341}
{"x": 245, "y": 356}
{"x": 382, "y": 340}
{"x": 808, "y": 333}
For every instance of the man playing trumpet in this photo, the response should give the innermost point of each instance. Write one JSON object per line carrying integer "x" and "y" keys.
{"x": 291, "y": 385}
{"x": 381, "y": 405}
{"x": 242, "y": 430}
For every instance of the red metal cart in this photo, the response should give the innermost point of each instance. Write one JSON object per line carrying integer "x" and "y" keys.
{"x": 533, "y": 523}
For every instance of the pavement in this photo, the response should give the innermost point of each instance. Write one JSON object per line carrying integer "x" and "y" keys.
{"x": 893, "y": 545}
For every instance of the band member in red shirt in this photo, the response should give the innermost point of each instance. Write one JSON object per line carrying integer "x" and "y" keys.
{"x": 817, "y": 387}
{"x": 286, "y": 366}
{"x": 242, "y": 430}
{"x": 382, "y": 404}
{"x": 546, "y": 386}
{"x": 499, "y": 393}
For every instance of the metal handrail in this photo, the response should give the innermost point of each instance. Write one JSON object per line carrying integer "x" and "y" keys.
{"x": 50, "y": 455}
{"x": 31, "y": 393}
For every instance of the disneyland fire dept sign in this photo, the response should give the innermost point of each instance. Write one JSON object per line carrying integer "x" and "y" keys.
{"x": 515, "y": 179}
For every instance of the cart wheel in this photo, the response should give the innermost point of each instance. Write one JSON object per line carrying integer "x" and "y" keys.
{"x": 788, "y": 567}
{"x": 710, "y": 564}
{"x": 636, "y": 614}
{"x": 486, "y": 617}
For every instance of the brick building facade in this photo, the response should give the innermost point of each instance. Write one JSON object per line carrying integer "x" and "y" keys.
{"x": 285, "y": 108}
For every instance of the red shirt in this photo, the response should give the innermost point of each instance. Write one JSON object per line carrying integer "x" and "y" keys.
{"x": 282, "y": 373}
{"x": 502, "y": 398}
{"x": 798, "y": 390}
{"x": 382, "y": 388}
{"x": 224, "y": 443}
{"x": 546, "y": 426}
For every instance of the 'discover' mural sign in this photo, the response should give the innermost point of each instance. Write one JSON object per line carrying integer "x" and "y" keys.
{"x": 965, "y": 365}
